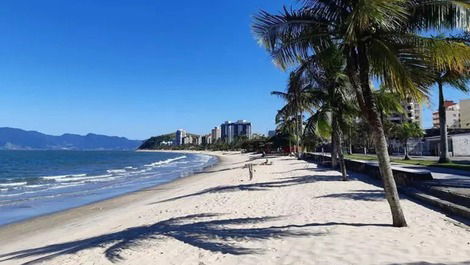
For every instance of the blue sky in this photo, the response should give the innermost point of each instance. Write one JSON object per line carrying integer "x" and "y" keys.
{"x": 136, "y": 68}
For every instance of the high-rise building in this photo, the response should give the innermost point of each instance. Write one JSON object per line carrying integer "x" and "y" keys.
{"x": 206, "y": 139}
{"x": 216, "y": 134}
{"x": 180, "y": 134}
{"x": 226, "y": 131}
{"x": 231, "y": 130}
{"x": 464, "y": 105}
{"x": 188, "y": 139}
{"x": 452, "y": 115}
{"x": 413, "y": 113}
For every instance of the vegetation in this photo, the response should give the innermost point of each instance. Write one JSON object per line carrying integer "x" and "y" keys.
{"x": 418, "y": 162}
{"x": 256, "y": 144}
{"x": 290, "y": 117}
{"x": 379, "y": 40}
{"x": 405, "y": 131}
{"x": 156, "y": 141}
{"x": 458, "y": 79}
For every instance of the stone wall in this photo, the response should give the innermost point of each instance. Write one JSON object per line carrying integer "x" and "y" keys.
{"x": 461, "y": 145}
{"x": 403, "y": 176}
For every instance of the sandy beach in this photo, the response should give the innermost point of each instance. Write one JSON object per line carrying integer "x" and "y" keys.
{"x": 291, "y": 213}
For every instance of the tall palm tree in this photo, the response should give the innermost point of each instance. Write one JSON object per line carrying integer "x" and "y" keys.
{"x": 456, "y": 77}
{"x": 458, "y": 81}
{"x": 296, "y": 104}
{"x": 328, "y": 93}
{"x": 379, "y": 40}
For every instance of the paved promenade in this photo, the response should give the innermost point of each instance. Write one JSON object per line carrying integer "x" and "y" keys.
{"x": 447, "y": 180}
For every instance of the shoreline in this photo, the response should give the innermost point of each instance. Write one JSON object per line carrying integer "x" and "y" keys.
{"x": 33, "y": 223}
{"x": 291, "y": 212}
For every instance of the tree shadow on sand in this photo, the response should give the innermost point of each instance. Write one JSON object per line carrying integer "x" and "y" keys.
{"x": 197, "y": 230}
{"x": 259, "y": 186}
{"x": 362, "y": 195}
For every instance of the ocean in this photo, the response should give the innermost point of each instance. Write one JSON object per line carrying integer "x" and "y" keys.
{"x": 34, "y": 183}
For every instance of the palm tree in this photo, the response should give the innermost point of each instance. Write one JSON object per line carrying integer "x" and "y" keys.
{"x": 328, "y": 93}
{"x": 379, "y": 40}
{"x": 388, "y": 103}
{"x": 285, "y": 124}
{"x": 296, "y": 104}
{"x": 405, "y": 131}
{"x": 456, "y": 80}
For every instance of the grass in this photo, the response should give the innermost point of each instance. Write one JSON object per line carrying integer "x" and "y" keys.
{"x": 428, "y": 163}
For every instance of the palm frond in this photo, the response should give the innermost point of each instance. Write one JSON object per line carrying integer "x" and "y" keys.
{"x": 439, "y": 14}
{"x": 290, "y": 35}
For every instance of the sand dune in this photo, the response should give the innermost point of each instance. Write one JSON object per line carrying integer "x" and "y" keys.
{"x": 290, "y": 213}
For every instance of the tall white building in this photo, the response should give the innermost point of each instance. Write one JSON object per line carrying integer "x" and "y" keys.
{"x": 452, "y": 115}
{"x": 465, "y": 113}
{"x": 231, "y": 130}
{"x": 188, "y": 139}
{"x": 413, "y": 113}
{"x": 180, "y": 135}
{"x": 216, "y": 134}
{"x": 206, "y": 139}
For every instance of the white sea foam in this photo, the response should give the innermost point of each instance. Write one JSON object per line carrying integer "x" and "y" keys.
{"x": 84, "y": 177}
{"x": 164, "y": 162}
{"x": 13, "y": 184}
{"x": 59, "y": 177}
{"x": 36, "y": 185}
{"x": 116, "y": 171}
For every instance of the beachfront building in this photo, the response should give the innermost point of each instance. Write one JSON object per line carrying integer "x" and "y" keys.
{"x": 206, "y": 139}
{"x": 458, "y": 139}
{"x": 232, "y": 130}
{"x": 452, "y": 115}
{"x": 216, "y": 134}
{"x": 167, "y": 143}
{"x": 180, "y": 135}
{"x": 464, "y": 105}
{"x": 188, "y": 139}
{"x": 413, "y": 113}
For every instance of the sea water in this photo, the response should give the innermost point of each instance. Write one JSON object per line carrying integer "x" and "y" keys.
{"x": 34, "y": 183}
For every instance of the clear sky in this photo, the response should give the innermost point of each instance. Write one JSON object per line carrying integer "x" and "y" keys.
{"x": 136, "y": 68}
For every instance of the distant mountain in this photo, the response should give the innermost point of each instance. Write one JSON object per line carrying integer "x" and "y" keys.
{"x": 17, "y": 139}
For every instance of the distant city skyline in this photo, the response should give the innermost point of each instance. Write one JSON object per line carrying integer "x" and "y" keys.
{"x": 125, "y": 68}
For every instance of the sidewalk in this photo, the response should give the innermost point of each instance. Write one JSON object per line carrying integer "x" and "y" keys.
{"x": 451, "y": 183}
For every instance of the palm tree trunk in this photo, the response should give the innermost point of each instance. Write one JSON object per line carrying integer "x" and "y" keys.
{"x": 407, "y": 156}
{"x": 339, "y": 135}
{"x": 290, "y": 145}
{"x": 334, "y": 148}
{"x": 444, "y": 152}
{"x": 368, "y": 106}
{"x": 342, "y": 163}
{"x": 299, "y": 132}
{"x": 350, "y": 141}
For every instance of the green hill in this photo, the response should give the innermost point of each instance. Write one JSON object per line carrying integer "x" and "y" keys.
{"x": 155, "y": 142}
